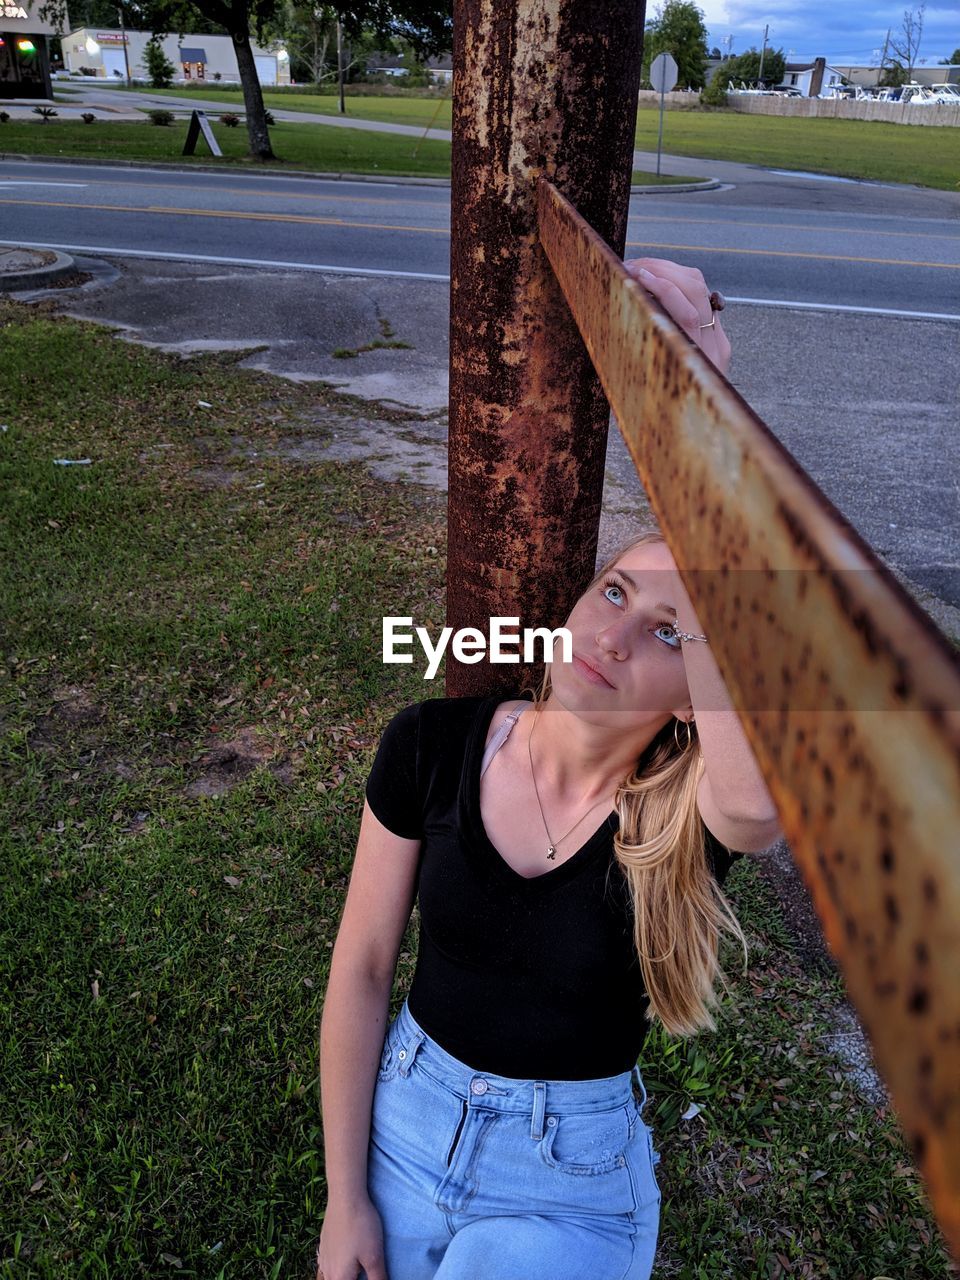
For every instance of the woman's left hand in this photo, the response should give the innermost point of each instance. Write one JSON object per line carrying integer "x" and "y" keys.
{"x": 683, "y": 292}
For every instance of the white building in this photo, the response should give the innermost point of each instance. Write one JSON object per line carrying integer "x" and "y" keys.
{"x": 195, "y": 58}
{"x": 811, "y": 78}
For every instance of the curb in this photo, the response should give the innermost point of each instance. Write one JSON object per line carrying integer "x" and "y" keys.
{"x": 63, "y": 265}
{"x": 667, "y": 188}
{"x": 708, "y": 184}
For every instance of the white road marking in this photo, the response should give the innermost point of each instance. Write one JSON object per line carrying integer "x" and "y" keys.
{"x": 840, "y": 306}
{"x": 327, "y": 269}
{"x": 230, "y": 262}
{"x": 17, "y": 182}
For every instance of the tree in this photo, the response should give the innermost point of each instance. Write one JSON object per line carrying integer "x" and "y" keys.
{"x": 906, "y": 43}
{"x": 892, "y": 76}
{"x": 427, "y": 24}
{"x": 715, "y": 94}
{"x": 952, "y": 61}
{"x": 159, "y": 67}
{"x": 678, "y": 28}
{"x": 308, "y": 33}
{"x": 746, "y": 66}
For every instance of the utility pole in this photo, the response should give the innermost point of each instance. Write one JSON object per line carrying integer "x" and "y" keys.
{"x": 883, "y": 56}
{"x": 123, "y": 41}
{"x": 766, "y": 31}
{"x": 542, "y": 87}
{"x": 343, "y": 105}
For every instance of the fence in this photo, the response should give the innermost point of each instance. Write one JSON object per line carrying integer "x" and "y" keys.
{"x": 941, "y": 114}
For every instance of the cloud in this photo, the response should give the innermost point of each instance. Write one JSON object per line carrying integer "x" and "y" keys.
{"x": 851, "y": 30}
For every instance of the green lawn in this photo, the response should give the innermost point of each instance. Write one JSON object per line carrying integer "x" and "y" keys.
{"x": 316, "y": 147}
{"x": 413, "y": 111}
{"x": 848, "y": 148}
{"x": 193, "y": 697}
{"x": 924, "y": 155}
{"x": 323, "y": 148}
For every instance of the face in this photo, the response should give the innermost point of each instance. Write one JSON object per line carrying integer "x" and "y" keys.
{"x": 627, "y": 667}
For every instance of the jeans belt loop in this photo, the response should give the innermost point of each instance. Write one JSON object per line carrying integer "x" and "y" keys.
{"x": 642, "y": 1087}
{"x": 410, "y": 1052}
{"x": 539, "y": 1107}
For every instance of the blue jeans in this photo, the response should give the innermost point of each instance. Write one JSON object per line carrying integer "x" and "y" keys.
{"x": 484, "y": 1177}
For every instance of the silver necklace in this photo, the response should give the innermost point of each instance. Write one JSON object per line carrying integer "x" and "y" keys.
{"x": 551, "y": 843}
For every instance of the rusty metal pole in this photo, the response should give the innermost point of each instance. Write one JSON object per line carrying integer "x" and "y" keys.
{"x": 541, "y": 87}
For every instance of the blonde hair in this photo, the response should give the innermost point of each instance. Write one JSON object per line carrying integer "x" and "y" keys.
{"x": 679, "y": 908}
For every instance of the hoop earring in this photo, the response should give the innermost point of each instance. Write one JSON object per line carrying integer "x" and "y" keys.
{"x": 676, "y": 739}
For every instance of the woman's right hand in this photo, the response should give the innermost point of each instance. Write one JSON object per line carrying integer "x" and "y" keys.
{"x": 351, "y": 1238}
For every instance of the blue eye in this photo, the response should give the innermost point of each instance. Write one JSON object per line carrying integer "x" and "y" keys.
{"x": 613, "y": 586}
{"x": 668, "y": 626}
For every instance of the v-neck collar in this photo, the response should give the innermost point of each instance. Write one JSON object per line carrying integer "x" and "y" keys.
{"x": 474, "y": 832}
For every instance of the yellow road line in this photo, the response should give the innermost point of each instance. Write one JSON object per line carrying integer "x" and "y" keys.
{"x": 309, "y": 220}
{"x": 790, "y": 253}
{"x": 250, "y": 216}
{"x": 795, "y": 226}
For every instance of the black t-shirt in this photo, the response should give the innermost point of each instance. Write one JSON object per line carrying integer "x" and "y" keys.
{"x": 533, "y": 978}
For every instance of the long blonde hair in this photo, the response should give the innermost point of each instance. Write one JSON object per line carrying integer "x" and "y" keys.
{"x": 679, "y": 908}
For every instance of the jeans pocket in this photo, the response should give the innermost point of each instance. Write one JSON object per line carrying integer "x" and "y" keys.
{"x": 586, "y": 1142}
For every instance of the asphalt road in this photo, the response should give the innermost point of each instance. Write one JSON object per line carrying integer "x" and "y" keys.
{"x": 884, "y": 260}
{"x": 844, "y": 310}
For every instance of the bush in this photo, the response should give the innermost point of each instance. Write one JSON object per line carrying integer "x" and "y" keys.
{"x": 88, "y": 117}
{"x": 45, "y": 113}
{"x": 159, "y": 67}
{"x": 229, "y": 119}
{"x": 216, "y": 75}
{"x": 88, "y": 71}
{"x": 160, "y": 116}
{"x": 715, "y": 94}
{"x": 4, "y": 117}
{"x": 268, "y": 115}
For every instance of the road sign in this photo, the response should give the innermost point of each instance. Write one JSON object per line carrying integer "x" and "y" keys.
{"x": 663, "y": 72}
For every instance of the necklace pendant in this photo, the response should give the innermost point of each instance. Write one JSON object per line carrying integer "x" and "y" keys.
{"x": 551, "y": 851}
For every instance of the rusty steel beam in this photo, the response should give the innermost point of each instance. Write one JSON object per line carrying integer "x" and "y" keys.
{"x": 540, "y": 87}
{"x": 849, "y": 695}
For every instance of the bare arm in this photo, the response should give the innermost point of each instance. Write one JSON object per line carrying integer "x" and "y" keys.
{"x": 375, "y": 915}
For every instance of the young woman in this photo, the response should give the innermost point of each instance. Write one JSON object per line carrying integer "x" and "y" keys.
{"x": 568, "y": 853}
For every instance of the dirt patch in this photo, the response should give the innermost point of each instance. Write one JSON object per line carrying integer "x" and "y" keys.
{"x": 73, "y": 708}
{"x": 226, "y": 764}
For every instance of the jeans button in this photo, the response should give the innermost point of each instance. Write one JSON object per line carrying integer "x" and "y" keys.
{"x": 478, "y": 1086}
{"x": 402, "y": 1054}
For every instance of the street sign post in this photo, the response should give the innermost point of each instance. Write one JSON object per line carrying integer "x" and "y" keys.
{"x": 663, "y": 76}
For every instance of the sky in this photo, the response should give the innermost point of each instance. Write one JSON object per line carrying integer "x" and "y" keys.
{"x": 838, "y": 30}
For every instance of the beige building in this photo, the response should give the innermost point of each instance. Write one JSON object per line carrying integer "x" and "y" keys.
{"x": 195, "y": 58}
{"x": 24, "y": 52}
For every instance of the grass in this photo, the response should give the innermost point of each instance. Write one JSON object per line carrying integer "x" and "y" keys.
{"x": 880, "y": 152}
{"x": 323, "y": 148}
{"x": 848, "y": 148}
{"x": 320, "y": 148}
{"x": 421, "y": 112}
{"x": 192, "y": 701}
